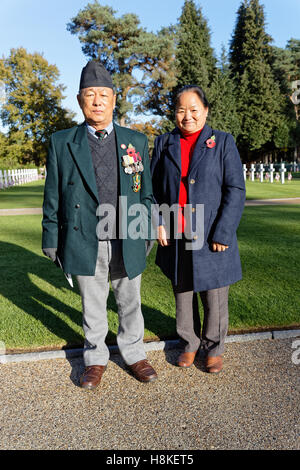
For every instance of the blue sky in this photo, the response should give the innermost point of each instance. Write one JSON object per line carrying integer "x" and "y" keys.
{"x": 40, "y": 26}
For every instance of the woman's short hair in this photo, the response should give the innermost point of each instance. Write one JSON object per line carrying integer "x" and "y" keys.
{"x": 194, "y": 89}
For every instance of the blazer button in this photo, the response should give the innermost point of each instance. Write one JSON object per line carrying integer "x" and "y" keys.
{"x": 76, "y": 228}
{"x": 195, "y": 237}
{"x": 71, "y": 183}
{"x": 192, "y": 181}
{"x": 77, "y": 206}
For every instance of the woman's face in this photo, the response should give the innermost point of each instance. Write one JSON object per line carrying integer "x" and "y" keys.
{"x": 190, "y": 113}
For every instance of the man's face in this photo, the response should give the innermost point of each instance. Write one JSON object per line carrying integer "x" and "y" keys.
{"x": 97, "y": 105}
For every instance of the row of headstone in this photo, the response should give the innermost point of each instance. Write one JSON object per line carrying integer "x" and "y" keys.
{"x": 16, "y": 177}
{"x": 269, "y": 175}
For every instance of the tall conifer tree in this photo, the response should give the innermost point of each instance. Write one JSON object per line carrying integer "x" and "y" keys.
{"x": 259, "y": 101}
{"x": 286, "y": 67}
{"x": 223, "y": 111}
{"x": 195, "y": 57}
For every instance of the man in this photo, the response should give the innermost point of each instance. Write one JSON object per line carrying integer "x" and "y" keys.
{"x": 88, "y": 167}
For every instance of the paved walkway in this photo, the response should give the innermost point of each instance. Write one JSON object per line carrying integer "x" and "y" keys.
{"x": 252, "y": 404}
{"x": 272, "y": 202}
{"x": 21, "y": 211}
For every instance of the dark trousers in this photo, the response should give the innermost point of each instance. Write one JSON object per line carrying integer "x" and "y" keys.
{"x": 215, "y": 306}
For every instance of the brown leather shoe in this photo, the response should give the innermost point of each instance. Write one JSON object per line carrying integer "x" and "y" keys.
{"x": 186, "y": 359}
{"x": 143, "y": 371}
{"x": 214, "y": 364}
{"x": 91, "y": 377}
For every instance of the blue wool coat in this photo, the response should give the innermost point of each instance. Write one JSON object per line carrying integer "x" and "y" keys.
{"x": 215, "y": 179}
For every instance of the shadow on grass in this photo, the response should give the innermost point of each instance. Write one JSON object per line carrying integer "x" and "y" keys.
{"x": 18, "y": 264}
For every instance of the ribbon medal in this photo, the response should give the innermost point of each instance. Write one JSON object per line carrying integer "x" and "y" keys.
{"x": 136, "y": 182}
{"x": 132, "y": 163}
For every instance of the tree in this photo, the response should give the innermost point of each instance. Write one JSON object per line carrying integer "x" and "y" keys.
{"x": 223, "y": 110}
{"x": 195, "y": 57}
{"x": 293, "y": 46}
{"x": 3, "y": 152}
{"x": 32, "y": 109}
{"x": 128, "y": 51}
{"x": 160, "y": 81}
{"x": 260, "y": 103}
{"x": 286, "y": 67}
{"x": 150, "y": 128}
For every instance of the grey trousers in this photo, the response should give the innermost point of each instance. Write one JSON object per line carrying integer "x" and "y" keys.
{"x": 215, "y": 323}
{"x": 215, "y": 305}
{"x": 94, "y": 292}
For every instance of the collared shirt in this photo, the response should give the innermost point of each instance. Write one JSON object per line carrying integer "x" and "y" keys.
{"x": 92, "y": 130}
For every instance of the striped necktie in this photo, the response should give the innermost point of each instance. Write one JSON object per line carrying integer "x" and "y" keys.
{"x": 101, "y": 134}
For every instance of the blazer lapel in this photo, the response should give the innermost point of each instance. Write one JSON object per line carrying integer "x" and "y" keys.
{"x": 173, "y": 148}
{"x": 82, "y": 155}
{"x": 200, "y": 147}
{"x": 122, "y": 139}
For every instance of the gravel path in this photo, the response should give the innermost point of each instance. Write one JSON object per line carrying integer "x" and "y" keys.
{"x": 252, "y": 404}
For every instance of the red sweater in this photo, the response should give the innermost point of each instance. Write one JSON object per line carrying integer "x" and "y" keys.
{"x": 187, "y": 145}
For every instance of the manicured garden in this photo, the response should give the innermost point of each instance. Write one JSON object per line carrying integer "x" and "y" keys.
{"x": 38, "y": 309}
{"x": 31, "y": 195}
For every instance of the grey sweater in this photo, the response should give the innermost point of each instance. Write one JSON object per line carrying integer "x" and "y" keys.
{"x": 105, "y": 162}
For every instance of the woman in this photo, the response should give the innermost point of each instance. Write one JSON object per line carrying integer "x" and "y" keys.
{"x": 196, "y": 165}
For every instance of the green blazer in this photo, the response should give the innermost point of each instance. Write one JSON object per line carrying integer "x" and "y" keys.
{"x": 71, "y": 201}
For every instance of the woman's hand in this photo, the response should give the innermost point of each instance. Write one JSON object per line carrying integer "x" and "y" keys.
{"x": 218, "y": 246}
{"x": 162, "y": 236}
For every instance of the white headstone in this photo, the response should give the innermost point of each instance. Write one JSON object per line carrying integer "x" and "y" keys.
{"x": 261, "y": 172}
{"x": 272, "y": 169}
{"x": 245, "y": 171}
{"x": 252, "y": 172}
{"x": 282, "y": 172}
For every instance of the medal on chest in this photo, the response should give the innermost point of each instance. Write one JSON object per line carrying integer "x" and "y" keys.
{"x": 132, "y": 165}
{"x": 136, "y": 182}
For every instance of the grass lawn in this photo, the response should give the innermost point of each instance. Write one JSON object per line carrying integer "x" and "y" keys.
{"x": 267, "y": 190}
{"x": 39, "y": 309}
{"x": 27, "y": 195}
{"x": 31, "y": 194}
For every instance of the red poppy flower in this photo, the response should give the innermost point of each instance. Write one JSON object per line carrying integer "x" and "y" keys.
{"x": 131, "y": 151}
{"x": 210, "y": 143}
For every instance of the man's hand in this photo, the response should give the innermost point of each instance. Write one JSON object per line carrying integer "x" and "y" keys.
{"x": 218, "y": 246}
{"x": 51, "y": 253}
{"x": 162, "y": 236}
